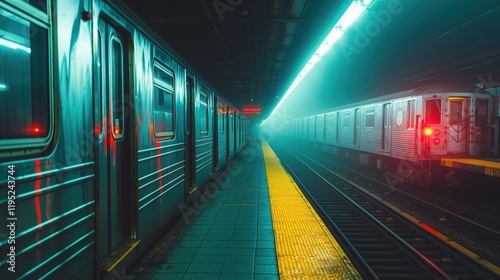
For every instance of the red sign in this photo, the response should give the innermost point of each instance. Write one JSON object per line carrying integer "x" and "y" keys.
{"x": 252, "y": 110}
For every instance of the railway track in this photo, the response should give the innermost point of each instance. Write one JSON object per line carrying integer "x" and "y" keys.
{"x": 383, "y": 243}
{"x": 469, "y": 230}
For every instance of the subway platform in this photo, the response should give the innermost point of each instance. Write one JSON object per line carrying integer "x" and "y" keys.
{"x": 253, "y": 223}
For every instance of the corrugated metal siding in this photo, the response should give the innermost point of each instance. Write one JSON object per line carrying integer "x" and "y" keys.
{"x": 370, "y": 140}
{"x": 403, "y": 144}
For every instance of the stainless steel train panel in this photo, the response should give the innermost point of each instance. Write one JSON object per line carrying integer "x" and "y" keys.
{"x": 190, "y": 131}
{"x": 237, "y": 132}
{"x": 311, "y": 128}
{"x": 54, "y": 192}
{"x": 204, "y": 134}
{"x": 231, "y": 132}
{"x": 222, "y": 133}
{"x": 386, "y": 127}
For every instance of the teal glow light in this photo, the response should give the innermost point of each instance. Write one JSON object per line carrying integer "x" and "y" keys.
{"x": 14, "y": 46}
{"x": 353, "y": 13}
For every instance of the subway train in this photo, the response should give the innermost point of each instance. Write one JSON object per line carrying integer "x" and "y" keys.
{"x": 106, "y": 134}
{"x": 407, "y": 133}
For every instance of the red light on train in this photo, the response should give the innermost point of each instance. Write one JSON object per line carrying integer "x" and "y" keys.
{"x": 117, "y": 131}
{"x": 36, "y": 130}
{"x": 428, "y": 131}
{"x": 86, "y": 16}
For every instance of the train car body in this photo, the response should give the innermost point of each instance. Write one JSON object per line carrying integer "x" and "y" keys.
{"x": 416, "y": 127}
{"x": 106, "y": 134}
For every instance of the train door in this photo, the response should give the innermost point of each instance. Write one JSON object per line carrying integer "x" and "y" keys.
{"x": 190, "y": 137}
{"x": 386, "y": 127}
{"x": 215, "y": 129}
{"x": 357, "y": 126}
{"x": 458, "y": 124}
{"x": 235, "y": 136}
{"x": 113, "y": 152}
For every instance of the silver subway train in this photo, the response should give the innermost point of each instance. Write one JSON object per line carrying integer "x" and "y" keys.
{"x": 104, "y": 133}
{"x": 406, "y": 132}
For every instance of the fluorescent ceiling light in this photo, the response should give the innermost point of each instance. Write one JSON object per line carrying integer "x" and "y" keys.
{"x": 14, "y": 46}
{"x": 3, "y": 87}
{"x": 353, "y": 12}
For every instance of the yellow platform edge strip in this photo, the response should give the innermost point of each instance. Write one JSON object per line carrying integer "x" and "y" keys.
{"x": 305, "y": 248}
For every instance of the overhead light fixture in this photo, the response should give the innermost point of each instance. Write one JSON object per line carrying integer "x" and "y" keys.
{"x": 352, "y": 13}
{"x": 3, "y": 87}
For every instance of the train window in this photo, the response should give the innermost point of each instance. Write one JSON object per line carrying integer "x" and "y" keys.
{"x": 222, "y": 117}
{"x": 39, "y": 4}
{"x": 370, "y": 117}
{"x": 456, "y": 109}
{"x": 24, "y": 81}
{"x": 116, "y": 87}
{"x": 481, "y": 111}
{"x": 164, "y": 101}
{"x": 410, "y": 114}
{"x": 346, "y": 119}
{"x": 337, "y": 134}
{"x": 203, "y": 112}
{"x": 304, "y": 130}
{"x": 433, "y": 111}
{"x": 324, "y": 127}
{"x": 98, "y": 119}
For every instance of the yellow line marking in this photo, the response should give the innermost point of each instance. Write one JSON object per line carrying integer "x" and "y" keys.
{"x": 133, "y": 244}
{"x": 304, "y": 246}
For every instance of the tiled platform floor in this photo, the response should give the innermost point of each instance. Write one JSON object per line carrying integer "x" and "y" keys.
{"x": 231, "y": 238}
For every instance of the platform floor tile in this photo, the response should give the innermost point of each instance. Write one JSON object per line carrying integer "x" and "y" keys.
{"x": 231, "y": 238}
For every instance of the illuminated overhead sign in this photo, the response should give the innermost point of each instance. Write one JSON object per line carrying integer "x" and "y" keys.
{"x": 252, "y": 110}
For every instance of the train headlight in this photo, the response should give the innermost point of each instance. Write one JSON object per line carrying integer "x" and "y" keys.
{"x": 427, "y": 131}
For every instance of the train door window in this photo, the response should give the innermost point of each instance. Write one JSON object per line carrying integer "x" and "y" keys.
{"x": 299, "y": 127}
{"x": 231, "y": 120}
{"x": 98, "y": 112}
{"x": 324, "y": 126}
{"x": 116, "y": 87}
{"x": 312, "y": 128}
{"x": 164, "y": 96}
{"x": 386, "y": 127}
{"x": 203, "y": 112}
{"x": 25, "y": 98}
{"x": 337, "y": 134}
{"x": 410, "y": 115}
{"x": 456, "y": 110}
{"x": 370, "y": 117}
{"x": 433, "y": 111}
{"x": 481, "y": 117}
{"x": 222, "y": 117}
{"x": 357, "y": 126}
{"x": 346, "y": 119}
{"x": 39, "y": 4}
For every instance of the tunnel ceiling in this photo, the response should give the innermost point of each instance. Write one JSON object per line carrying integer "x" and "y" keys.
{"x": 254, "y": 49}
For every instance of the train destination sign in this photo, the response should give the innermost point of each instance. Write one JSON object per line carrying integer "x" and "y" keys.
{"x": 252, "y": 110}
